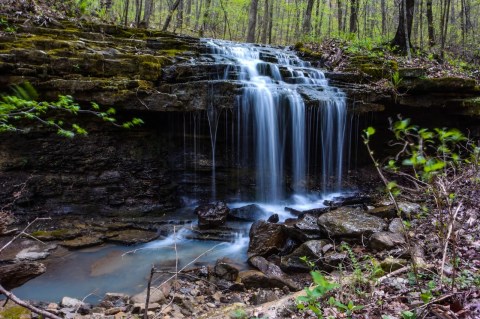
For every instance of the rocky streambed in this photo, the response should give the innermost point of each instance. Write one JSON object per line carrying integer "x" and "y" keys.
{"x": 272, "y": 264}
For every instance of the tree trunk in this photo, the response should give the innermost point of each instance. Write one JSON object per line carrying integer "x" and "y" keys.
{"x": 252, "y": 21}
{"x": 179, "y": 22}
{"x": 138, "y": 11}
{"x": 431, "y": 30}
{"x": 353, "y": 16}
{"x": 307, "y": 21}
{"x": 170, "y": 15}
{"x": 404, "y": 28}
{"x": 384, "y": 17}
{"x": 339, "y": 16}
{"x": 444, "y": 28}
{"x": 206, "y": 17}
{"x": 266, "y": 17}
{"x": 147, "y": 13}
{"x": 125, "y": 22}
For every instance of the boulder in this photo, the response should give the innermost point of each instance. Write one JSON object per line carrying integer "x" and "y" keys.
{"x": 156, "y": 296}
{"x": 390, "y": 264}
{"x": 273, "y": 218}
{"x": 274, "y": 273}
{"x": 263, "y": 296}
{"x": 68, "y": 302}
{"x": 212, "y": 215}
{"x": 14, "y": 275}
{"x": 311, "y": 249}
{"x": 386, "y": 240}
{"x": 348, "y": 222}
{"x": 266, "y": 239}
{"x": 225, "y": 269}
{"x": 249, "y": 213}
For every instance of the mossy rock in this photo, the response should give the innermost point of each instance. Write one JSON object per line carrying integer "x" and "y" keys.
{"x": 57, "y": 234}
{"x": 471, "y": 106}
{"x": 412, "y": 72}
{"x": 15, "y": 312}
{"x": 443, "y": 85}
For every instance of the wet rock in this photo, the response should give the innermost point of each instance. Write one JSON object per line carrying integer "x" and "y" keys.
{"x": 348, "y": 200}
{"x": 68, "y": 302}
{"x": 225, "y": 269}
{"x": 35, "y": 252}
{"x": 117, "y": 300}
{"x": 266, "y": 239}
{"x": 396, "y": 226}
{"x": 212, "y": 215}
{"x": 249, "y": 213}
{"x": 311, "y": 249}
{"x": 348, "y": 222}
{"x": 156, "y": 295}
{"x": 13, "y": 275}
{"x": 131, "y": 236}
{"x": 274, "y": 273}
{"x": 263, "y": 296}
{"x": 387, "y": 211}
{"x": 83, "y": 241}
{"x": 273, "y": 218}
{"x": 386, "y": 240}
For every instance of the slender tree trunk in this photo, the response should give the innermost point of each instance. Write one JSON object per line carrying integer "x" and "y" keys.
{"x": 443, "y": 39}
{"x": 353, "y": 16}
{"x": 307, "y": 21}
{"x": 270, "y": 23}
{"x": 138, "y": 11}
{"x": 170, "y": 14}
{"x": 125, "y": 21}
{"x": 252, "y": 21}
{"x": 404, "y": 28}
{"x": 431, "y": 30}
{"x": 206, "y": 17}
{"x": 266, "y": 17}
{"x": 384, "y": 17}
{"x": 188, "y": 12}
{"x": 179, "y": 22}
{"x": 420, "y": 18}
{"x": 339, "y": 16}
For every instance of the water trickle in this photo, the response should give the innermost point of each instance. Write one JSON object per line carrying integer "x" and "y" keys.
{"x": 292, "y": 142}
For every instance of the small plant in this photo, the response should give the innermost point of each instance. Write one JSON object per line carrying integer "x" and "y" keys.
{"x": 348, "y": 309}
{"x": 311, "y": 300}
{"x": 308, "y": 262}
{"x": 408, "y": 315}
{"x": 238, "y": 313}
{"x": 396, "y": 79}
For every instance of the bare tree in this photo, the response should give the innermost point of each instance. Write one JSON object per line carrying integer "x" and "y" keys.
{"x": 252, "y": 21}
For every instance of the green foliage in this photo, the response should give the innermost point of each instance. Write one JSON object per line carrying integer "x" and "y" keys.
{"x": 312, "y": 298}
{"x": 7, "y": 27}
{"x": 408, "y": 315}
{"x": 308, "y": 262}
{"x": 21, "y": 110}
{"x": 348, "y": 308}
{"x": 238, "y": 313}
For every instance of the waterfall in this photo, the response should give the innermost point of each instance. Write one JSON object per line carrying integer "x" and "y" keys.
{"x": 296, "y": 120}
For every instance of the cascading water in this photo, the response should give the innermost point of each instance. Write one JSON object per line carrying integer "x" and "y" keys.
{"x": 272, "y": 107}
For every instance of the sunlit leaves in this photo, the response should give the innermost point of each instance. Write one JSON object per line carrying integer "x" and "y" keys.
{"x": 20, "y": 111}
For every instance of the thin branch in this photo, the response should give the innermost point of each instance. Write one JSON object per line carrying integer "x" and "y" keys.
{"x": 25, "y": 304}
{"x": 23, "y": 232}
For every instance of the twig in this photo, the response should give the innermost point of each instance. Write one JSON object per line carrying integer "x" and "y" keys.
{"x": 23, "y": 232}
{"x": 176, "y": 270}
{"x": 449, "y": 233}
{"x": 147, "y": 299}
{"x": 25, "y": 304}
{"x": 393, "y": 273}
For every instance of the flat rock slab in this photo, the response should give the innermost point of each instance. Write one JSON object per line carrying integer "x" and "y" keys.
{"x": 83, "y": 241}
{"x": 131, "y": 236}
{"x": 350, "y": 222}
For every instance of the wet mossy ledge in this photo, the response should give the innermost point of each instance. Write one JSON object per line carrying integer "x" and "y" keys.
{"x": 111, "y": 65}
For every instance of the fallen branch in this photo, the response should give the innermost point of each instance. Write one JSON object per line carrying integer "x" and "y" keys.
{"x": 23, "y": 232}
{"x": 25, "y": 304}
{"x": 393, "y": 274}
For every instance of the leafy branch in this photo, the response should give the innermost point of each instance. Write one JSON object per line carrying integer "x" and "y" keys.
{"x": 22, "y": 106}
